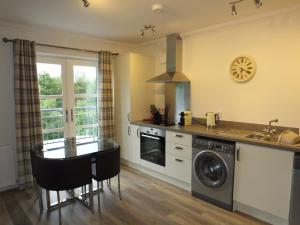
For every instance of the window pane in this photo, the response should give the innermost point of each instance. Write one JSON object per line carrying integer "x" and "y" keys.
{"x": 49, "y": 79}
{"x": 52, "y": 114}
{"x": 85, "y": 80}
{"x": 86, "y": 119}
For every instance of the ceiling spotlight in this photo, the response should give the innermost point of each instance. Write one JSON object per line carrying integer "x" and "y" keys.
{"x": 86, "y": 3}
{"x": 233, "y": 9}
{"x": 153, "y": 32}
{"x": 233, "y": 4}
{"x": 258, "y": 3}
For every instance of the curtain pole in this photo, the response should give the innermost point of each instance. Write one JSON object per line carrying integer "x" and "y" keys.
{"x": 6, "y": 40}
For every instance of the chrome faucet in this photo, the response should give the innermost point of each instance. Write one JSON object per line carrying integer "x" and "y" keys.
{"x": 269, "y": 128}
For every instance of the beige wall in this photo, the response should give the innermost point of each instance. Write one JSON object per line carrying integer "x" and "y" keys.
{"x": 274, "y": 92}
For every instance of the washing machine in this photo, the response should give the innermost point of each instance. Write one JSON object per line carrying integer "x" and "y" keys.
{"x": 213, "y": 171}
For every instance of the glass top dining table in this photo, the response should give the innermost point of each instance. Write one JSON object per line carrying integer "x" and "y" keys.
{"x": 71, "y": 149}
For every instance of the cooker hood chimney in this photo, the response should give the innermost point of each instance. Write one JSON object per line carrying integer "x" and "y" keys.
{"x": 174, "y": 63}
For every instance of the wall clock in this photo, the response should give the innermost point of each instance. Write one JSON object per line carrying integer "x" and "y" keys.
{"x": 243, "y": 68}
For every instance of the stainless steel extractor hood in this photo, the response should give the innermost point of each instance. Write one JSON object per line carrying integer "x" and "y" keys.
{"x": 174, "y": 63}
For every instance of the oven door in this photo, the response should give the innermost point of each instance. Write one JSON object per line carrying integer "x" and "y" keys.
{"x": 153, "y": 149}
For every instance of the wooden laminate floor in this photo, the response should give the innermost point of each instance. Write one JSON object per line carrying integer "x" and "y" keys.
{"x": 146, "y": 201}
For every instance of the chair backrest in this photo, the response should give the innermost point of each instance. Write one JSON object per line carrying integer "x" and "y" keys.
{"x": 107, "y": 164}
{"x": 61, "y": 174}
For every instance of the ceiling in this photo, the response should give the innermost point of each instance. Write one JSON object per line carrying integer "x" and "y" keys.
{"x": 121, "y": 20}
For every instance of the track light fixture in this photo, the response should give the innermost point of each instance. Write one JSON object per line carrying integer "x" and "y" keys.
{"x": 86, "y": 3}
{"x": 233, "y": 9}
{"x": 146, "y": 28}
{"x": 233, "y": 4}
{"x": 258, "y": 3}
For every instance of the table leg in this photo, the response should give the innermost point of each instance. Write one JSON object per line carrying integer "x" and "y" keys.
{"x": 91, "y": 197}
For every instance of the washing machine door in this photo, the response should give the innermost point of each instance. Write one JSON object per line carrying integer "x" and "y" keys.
{"x": 210, "y": 169}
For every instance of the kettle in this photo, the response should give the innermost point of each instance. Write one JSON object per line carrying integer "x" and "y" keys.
{"x": 211, "y": 119}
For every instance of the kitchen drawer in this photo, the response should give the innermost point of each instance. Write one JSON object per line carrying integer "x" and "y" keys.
{"x": 179, "y": 138}
{"x": 179, "y": 150}
{"x": 179, "y": 167}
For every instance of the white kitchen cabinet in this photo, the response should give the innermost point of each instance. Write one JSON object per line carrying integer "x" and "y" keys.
{"x": 179, "y": 167}
{"x": 179, "y": 138}
{"x": 127, "y": 137}
{"x": 178, "y": 156}
{"x": 133, "y": 97}
{"x": 263, "y": 179}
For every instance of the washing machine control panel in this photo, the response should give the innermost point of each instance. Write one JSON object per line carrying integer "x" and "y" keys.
{"x": 214, "y": 144}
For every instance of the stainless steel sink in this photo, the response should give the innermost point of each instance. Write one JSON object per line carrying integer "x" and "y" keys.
{"x": 262, "y": 137}
{"x": 256, "y": 136}
{"x": 271, "y": 138}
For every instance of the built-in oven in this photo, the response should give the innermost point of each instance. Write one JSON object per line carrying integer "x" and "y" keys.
{"x": 153, "y": 145}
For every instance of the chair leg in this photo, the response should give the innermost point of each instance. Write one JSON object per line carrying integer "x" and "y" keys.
{"x": 84, "y": 191}
{"x": 48, "y": 199}
{"x": 98, "y": 196}
{"x": 119, "y": 187}
{"x": 91, "y": 197}
{"x": 40, "y": 196}
{"x": 59, "y": 208}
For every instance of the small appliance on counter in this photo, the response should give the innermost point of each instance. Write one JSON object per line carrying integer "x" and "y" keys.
{"x": 185, "y": 118}
{"x": 211, "y": 119}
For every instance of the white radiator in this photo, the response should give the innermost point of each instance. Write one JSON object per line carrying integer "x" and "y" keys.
{"x": 7, "y": 167}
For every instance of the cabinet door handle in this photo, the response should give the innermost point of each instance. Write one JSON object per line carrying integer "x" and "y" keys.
{"x": 238, "y": 153}
{"x": 128, "y": 117}
{"x": 67, "y": 116}
{"x": 178, "y": 160}
{"x": 178, "y": 135}
{"x": 178, "y": 148}
{"x": 138, "y": 132}
{"x": 129, "y": 130}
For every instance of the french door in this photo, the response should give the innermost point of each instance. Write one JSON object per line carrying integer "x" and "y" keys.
{"x": 69, "y": 98}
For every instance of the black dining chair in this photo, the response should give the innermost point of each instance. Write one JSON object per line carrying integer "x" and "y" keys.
{"x": 62, "y": 175}
{"x": 107, "y": 166}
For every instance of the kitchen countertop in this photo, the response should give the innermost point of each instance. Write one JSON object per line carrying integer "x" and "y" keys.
{"x": 224, "y": 133}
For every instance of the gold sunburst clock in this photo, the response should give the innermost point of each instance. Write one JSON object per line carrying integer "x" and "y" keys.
{"x": 243, "y": 68}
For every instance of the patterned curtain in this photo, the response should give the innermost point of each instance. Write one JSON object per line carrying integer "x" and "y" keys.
{"x": 27, "y": 106}
{"x": 106, "y": 122}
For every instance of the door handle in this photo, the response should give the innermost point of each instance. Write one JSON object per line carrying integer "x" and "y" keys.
{"x": 238, "y": 153}
{"x": 71, "y": 115}
{"x": 67, "y": 116}
{"x": 178, "y": 135}
{"x": 138, "y": 132}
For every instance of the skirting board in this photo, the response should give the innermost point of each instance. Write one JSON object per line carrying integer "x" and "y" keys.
{"x": 8, "y": 188}
{"x": 264, "y": 216}
{"x": 157, "y": 175}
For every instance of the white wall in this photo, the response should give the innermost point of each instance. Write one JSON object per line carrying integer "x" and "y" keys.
{"x": 7, "y": 126}
{"x": 274, "y": 92}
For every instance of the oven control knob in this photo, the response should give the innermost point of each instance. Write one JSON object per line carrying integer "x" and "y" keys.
{"x": 209, "y": 145}
{"x": 156, "y": 133}
{"x": 148, "y": 131}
